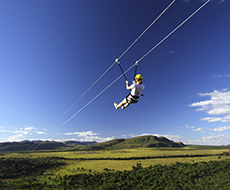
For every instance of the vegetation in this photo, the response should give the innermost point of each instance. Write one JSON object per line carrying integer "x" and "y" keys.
{"x": 141, "y": 141}
{"x": 18, "y": 167}
{"x": 41, "y": 145}
{"x": 203, "y": 175}
{"x": 147, "y": 141}
{"x": 111, "y": 165}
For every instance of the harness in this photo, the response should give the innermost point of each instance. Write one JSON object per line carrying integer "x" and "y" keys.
{"x": 134, "y": 99}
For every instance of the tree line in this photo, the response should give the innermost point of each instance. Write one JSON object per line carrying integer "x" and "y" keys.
{"x": 177, "y": 176}
{"x": 19, "y": 167}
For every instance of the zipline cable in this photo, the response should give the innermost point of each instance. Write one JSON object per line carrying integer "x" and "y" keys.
{"x": 87, "y": 104}
{"x": 129, "y": 68}
{"x": 147, "y": 29}
{"x": 136, "y": 64}
{"x": 74, "y": 103}
{"x": 123, "y": 73}
{"x": 95, "y": 97}
{"x": 174, "y": 30}
{"x": 113, "y": 64}
{"x": 115, "y": 61}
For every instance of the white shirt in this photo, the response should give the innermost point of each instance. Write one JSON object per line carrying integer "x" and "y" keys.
{"x": 136, "y": 89}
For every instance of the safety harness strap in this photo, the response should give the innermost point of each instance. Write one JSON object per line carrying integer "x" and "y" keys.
{"x": 117, "y": 60}
{"x": 135, "y": 73}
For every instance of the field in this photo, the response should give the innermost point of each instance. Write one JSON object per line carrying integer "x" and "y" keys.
{"x": 98, "y": 165}
{"x": 95, "y": 162}
{"x": 121, "y": 165}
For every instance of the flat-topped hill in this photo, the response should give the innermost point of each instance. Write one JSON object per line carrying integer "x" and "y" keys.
{"x": 136, "y": 142}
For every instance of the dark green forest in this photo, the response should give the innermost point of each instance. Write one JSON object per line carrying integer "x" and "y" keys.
{"x": 12, "y": 168}
{"x": 201, "y": 175}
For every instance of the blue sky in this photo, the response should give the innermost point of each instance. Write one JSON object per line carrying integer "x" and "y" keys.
{"x": 53, "y": 51}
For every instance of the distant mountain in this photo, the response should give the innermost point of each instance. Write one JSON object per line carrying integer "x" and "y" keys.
{"x": 147, "y": 141}
{"x": 41, "y": 145}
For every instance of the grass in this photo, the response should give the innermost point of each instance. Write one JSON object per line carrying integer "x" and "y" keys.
{"x": 92, "y": 166}
{"x": 123, "y": 153}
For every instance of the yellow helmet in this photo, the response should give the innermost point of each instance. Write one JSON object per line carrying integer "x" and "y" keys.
{"x": 139, "y": 76}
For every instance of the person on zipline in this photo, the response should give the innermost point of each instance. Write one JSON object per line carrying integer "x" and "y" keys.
{"x": 133, "y": 97}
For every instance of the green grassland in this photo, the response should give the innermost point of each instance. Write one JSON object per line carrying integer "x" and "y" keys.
{"x": 55, "y": 167}
{"x": 120, "y": 160}
{"x": 121, "y": 165}
{"x": 145, "y": 162}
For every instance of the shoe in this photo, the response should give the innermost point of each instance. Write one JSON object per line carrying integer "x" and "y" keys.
{"x": 115, "y": 105}
{"x": 122, "y": 107}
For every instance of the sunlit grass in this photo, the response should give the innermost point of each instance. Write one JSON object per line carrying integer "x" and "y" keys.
{"x": 124, "y": 153}
{"x": 91, "y": 166}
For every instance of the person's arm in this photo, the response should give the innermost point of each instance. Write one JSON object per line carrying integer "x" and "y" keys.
{"x": 127, "y": 85}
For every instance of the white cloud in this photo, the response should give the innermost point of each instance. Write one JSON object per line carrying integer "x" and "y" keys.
{"x": 96, "y": 138}
{"x": 219, "y": 103}
{"x": 40, "y": 132}
{"x": 83, "y": 134}
{"x": 188, "y": 127}
{"x": 217, "y": 119}
{"x": 225, "y": 128}
{"x": 21, "y": 134}
{"x": 211, "y": 119}
{"x": 198, "y": 129}
{"x": 4, "y": 131}
{"x": 17, "y": 137}
{"x": 210, "y": 140}
{"x": 202, "y": 130}
{"x": 29, "y": 128}
{"x": 89, "y": 136}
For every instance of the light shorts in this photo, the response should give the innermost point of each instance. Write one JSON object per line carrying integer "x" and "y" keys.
{"x": 131, "y": 99}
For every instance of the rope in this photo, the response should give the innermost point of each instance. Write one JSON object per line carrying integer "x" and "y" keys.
{"x": 83, "y": 94}
{"x": 96, "y": 96}
{"x": 87, "y": 104}
{"x": 147, "y": 29}
{"x": 112, "y": 64}
{"x": 115, "y": 61}
{"x": 174, "y": 30}
{"x": 135, "y": 70}
{"x": 73, "y": 104}
{"x": 120, "y": 75}
{"x": 127, "y": 69}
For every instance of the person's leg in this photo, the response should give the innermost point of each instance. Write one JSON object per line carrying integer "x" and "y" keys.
{"x": 126, "y": 105}
{"x": 121, "y": 103}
